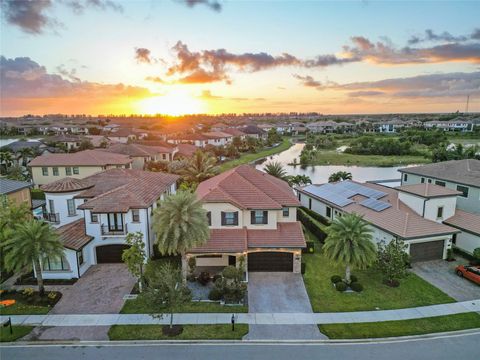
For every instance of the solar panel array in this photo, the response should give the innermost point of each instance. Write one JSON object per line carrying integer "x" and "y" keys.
{"x": 341, "y": 192}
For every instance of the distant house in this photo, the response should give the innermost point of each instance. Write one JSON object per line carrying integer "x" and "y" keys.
{"x": 458, "y": 124}
{"x": 122, "y": 135}
{"x": 141, "y": 154}
{"x": 48, "y": 168}
{"x": 69, "y": 142}
{"x": 254, "y": 131}
{"x": 185, "y": 151}
{"x": 197, "y": 139}
{"x": 391, "y": 126}
{"x": 235, "y": 133}
{"x": 217, "y": 138}
{"x": 325, "y": 127}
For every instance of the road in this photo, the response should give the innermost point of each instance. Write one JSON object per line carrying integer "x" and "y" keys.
{"x": 460, "y": 346}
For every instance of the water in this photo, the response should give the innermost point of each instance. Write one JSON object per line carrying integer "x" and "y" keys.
{"x": 320, "y": 173}
{"x": 4, "y": 142}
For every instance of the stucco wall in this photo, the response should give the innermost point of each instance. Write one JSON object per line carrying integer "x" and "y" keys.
{"x": 84, "y": 171}
{"x": 60, "y": 206}
{"x": 22, "y": 196}
{"x": 467, "y": 241}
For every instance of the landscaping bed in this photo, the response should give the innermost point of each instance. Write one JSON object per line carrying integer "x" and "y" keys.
{"x": 29, "y": 302}
{"x": 190, "y": 332}
{"x": 402, "y": 327}
{"x": 29, "y": 279}
{"x": 18, "y": 332}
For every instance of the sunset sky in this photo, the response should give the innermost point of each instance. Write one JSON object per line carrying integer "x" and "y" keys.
{"x": 206, "y": 56}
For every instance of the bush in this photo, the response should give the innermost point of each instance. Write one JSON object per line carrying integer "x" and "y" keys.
{"x": 191, "y": 278}
{"x": 310, "y": 249}
{"x": 303, "y": 268}
{"x": 353, "y": 278}
{"x": 216, "y": 277}
{"x": 231, "y": 273}
{"x": 28, "y": 292}
{"x": 311, "y": 225}
{"x": 215, "y": 294}
{"x": 204, "y": 278}
{"x": 356, "y": 286}
{"x": 335, "y": 279}
{"x": 316, "y": 216}
{"x": 341, "y": 286}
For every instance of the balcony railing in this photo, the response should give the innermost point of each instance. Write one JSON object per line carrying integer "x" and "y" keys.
{"x": 106, "y": 230}
{"x": 52, "y": 217}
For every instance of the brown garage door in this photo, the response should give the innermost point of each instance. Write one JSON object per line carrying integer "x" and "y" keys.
{"x": 270, "y": 261}
{"x": 110, "y": 253}
{"x": 432, "y": 250}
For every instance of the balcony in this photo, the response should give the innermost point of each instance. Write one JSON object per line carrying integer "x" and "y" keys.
{"x": 52, "y": 217}
{"x": 109, "y": 231}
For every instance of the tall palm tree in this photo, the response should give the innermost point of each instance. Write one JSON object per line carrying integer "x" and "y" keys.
{"x": 299, "y": 180}
{"x": 349, "y": 243}
{"x": 31, "y": 243}
{"x": 276, "y": 169}
{"x": 180, "y": 223}
{"x": 340, "y": 176}
{"x": 200, "y": 167}
{"x": 6, "y": 160}
{"x": 25, "y": 153}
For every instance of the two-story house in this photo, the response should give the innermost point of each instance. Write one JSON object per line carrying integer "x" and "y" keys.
{"x": 250, "y": 214}
{"x": 94, "y": 215}
{"x": 51, "y": 167}
{"x": 141, "y": 154}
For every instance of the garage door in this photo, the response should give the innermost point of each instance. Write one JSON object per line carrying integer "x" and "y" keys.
{"x": 270, "y": 261}
{"x": 432, "y": 250}
{"x": 110, "y": 253}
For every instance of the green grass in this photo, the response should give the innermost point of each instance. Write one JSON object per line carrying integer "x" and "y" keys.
{"x": 190, "y": 332}
{"x": 412, "y": 292}
{"x": 332, "y": 157}
{"x": 403, "y": 327}
{"x": 18, "y": 332}
{"x": 248, "y": 158}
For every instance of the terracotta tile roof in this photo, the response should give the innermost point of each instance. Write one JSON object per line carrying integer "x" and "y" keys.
{"x": 73, "y": 235}
{"x": 81, "y": 158}
{"x": 119, "y": 190}
{"x": 252, "y": 129}
{"x": 189, "y": 137}
{"x": 460, "y": 171}
{"x": 247, "y": 188}
{"x": 217, "y": 135}
{"x": 67, "y": 184}
{"x": 137, "y": 150}
{"x": 224, "y": 240}
{"x": 234, "y": 132}
{"x": 465, "y": 221}
{"x": 186, "y": 150}
{"x": 428, "y": 190}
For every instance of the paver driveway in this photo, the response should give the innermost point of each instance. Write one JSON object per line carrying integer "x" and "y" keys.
{"x": 441, "y": 274}
{"x": 99, "y": 291}
{"x": 276, "y": 293}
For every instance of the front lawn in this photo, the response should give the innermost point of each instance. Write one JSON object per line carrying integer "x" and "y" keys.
{"x": 190, "y": 332}
{"x": 18, "y": 332}
{"x": 27, "y": 305}
{"x": 412, "y": 292}
{"x": 402, "y": 328}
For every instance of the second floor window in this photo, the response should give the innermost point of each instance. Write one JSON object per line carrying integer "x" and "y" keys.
{"x": 68, "y": 171}
{"x": 76, "y": 170}
{"x": 229, "y": 218}
{"x": 463, "y": 190}
{"x": 259, "y": 217}
{"x": 51, "y": 206}
{"x": 55, "y": 171}
{"x": 45, "y": 171}
{"x": 93, "y": 218}
{"x": 209, "y": 218}
{"x": 115, "y": 222}
{"x": 136, "y": 215}
{"x": 71, "y": 207}
{"x": 440, "y": 183}
{"x": 286, "y": 212}
{"x": 440, "y": 212}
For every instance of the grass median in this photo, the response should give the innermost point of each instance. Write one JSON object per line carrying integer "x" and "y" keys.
{"x": 18, "y": 332}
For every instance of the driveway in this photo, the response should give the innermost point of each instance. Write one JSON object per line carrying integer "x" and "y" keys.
{"x": 279, "y": 293}
{"x": 441, "y": 274}
{"x": 99, "y": 291}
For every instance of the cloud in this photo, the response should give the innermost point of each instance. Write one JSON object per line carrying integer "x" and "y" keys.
{"x": 156, "y": 79}
{"x": 431, "y": 36}
{"x": 366, "y": 93}
{"x": 212, "y": 4}
{"x": 207, "y": 95}
{"x": 308, "y": 81}
{"x": 69, "y": 74}
{"x": 142, "y": 55}
{"x": 79, "y": 6}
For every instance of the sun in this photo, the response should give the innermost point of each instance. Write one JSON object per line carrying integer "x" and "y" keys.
{"x": 175, "y": 102}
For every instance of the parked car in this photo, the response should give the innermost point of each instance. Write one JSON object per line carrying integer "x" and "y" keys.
{"x": 469, "y": 272}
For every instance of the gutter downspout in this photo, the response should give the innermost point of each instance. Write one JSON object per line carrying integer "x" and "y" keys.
{"x": 148, "y": 233}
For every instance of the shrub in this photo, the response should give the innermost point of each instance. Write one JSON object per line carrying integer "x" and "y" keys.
{"x": 231, "y": 273}
{"x": 204, "y": 278}
{"x": 52, "y": 295}
{"x": 335, "y": 279}
{"x": 356, "y": 286}
{"x": 311, "y": 225}
{"x": 341, "y": 286}
{"x": 216, "y": 277}
{"x": 303, "y": 268}
{"x": 316, "y": 216}
{"x": 353, "y": 278}
{"x": 310, "y": 247}
{"x": 28, "y": 292}
{"x": 191, "y": 277}
{"x": 215, "y": 294}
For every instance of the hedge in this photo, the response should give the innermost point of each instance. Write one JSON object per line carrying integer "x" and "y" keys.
{"x": 316, "y": 216}
{"x": 311, "y": 225}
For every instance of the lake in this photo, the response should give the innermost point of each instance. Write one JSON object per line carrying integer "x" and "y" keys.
{"x": 320, "y": 173}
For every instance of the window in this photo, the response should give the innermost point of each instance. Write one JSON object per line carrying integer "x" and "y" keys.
{"x": 45, "y": 171}
{"x": 164, "y": 156}
{"x": 136, "y": 215}
{"x": 329, "y": 212}
{"x": 299, "y": 197}
{"x": 440, "y": 212}
{"x": 405, "y": 177}
{"x": 68, "y": 171}
{"x": 310, "y": 204}
{"x": 93, "y": 217}
{"x": 55, "y": 264}
{"x": 230, "y": 218}
{"x": 429, "y": 181}
{"x": 115, "y": 222}
{"x": 55, "y": 171}
{"x": 463, "y": 190}
{"x": 286, "y": 212}
{"x": 71, "y": 207}
{"x": 258, "y": 217}
{"x": 440, "y": 183}
{"x": 209, "y": 218}
{"x": 76, "y": 170}
{"x": 454, "y": 239}
{"x": 80, "y": 259}
{"x": 422, "y": 180}
{"x": 51, "y": 206}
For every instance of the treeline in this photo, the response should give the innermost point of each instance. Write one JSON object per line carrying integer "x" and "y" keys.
{"x": 369, "y": 145}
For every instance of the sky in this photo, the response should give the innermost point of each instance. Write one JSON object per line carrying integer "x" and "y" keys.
{"x": 212, "y": 56}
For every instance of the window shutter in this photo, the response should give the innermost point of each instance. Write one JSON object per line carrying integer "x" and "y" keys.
{"x": 223, "y": 218}
{"x": 252, "y": 217}
{"x": 265, "y": 217}
{"x": 235, "y": 218}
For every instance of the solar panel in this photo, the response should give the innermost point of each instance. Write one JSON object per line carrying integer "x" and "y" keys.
{"x": 328, "y": 193}
{"x": 375, "y": 205}
{"x": 362, "y": 190}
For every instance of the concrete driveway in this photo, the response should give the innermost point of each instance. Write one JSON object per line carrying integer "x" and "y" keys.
{"x": 441, "y": 274}
{"x": 280, "y": 293}
{"x": 99, "y": 291}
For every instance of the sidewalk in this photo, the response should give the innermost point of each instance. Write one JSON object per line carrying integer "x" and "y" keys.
{"x": 249, "y": 318}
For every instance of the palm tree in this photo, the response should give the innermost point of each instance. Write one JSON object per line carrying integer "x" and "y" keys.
{"x": 276, "y": 169}
{"x": 32, "y": 242}
{"x": 349, "y": 243}
{"x": 200, "y": 167}
{"x": 299, "y": 180}
{"x": 6, "y": 160}
{"x": 25, "y": 153}
{"x": 340, "y": 176}
{"x": 180, "y": 223}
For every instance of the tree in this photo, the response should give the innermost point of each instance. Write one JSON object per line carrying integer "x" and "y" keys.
{"x": 85, "y": 144}
{"x": 25, "y": 153}
{"x": 200, "y": 167}
{"x": 340, "y": 176}
{"x": 135, "y": 256}
{"x": 349, "y": 243}
{"x": 392, "y": 260}
{"x": 94, "y": 131}
{"x": 32, "y": 242}
{"x": 16, "y": 172}
{"x": 104, "y": 143}
{"x": 299, "y": 180}
{"x": 180, "y": 223}
{"x": 6, "y": 160}
{"x": 276, "y": 169}
{"x": 237, "y": 142}
{"x": 166, "y": 291}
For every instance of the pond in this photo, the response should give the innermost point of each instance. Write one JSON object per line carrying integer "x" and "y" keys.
{"x": 320, "y": 173}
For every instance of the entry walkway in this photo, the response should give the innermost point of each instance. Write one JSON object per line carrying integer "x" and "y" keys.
{"x": 250, "y": 318}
